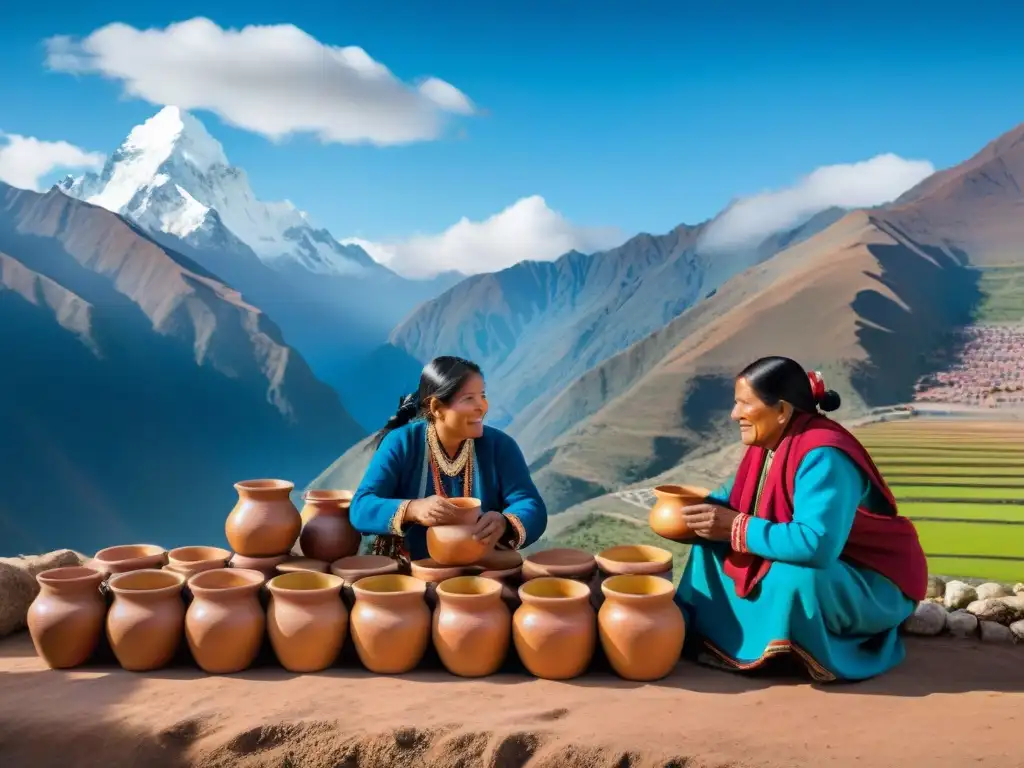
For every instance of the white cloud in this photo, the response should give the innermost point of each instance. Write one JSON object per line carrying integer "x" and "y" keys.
{"x": 872, "y": 182}
{"x": 25, "y": 160}
{"x": 274, "y": 80}
{"x": 526, "y": 230}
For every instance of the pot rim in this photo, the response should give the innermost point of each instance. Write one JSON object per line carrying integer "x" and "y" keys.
{"x": 319, "y": 584}
{"x": 680, "y": 491}
{"x": 146, "y": 551}
{"x": 360, "y": 564}
{"x": 367, "y": 587}
{"x": 221, "y": 554}
{"x": 70, "y": 576}
{"x": 118, "y": 582}
{"x": 253, "y": 580}
{"x": 487, "y": 588}
{"x": 429, "y": 567}
{"x": 576, "y": 591}
{"x": 294, "y": 565}
{"x": 659, "y": 555}
{"x": 264, "y": 485}
{"x": 618, "y": 587}
{"x": 323, "y": 495}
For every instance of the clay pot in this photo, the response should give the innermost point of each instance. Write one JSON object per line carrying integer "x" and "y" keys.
{"x": 327, "y": 534}
{"x": 264, "y": 522}
{"x": 295, "y": 564}
{"x": 472, "y": 626}
{"x": 225, "y": 622}
{"x": 188, "y": 561}
{"x": 505, "y": 566}
{"x": 432, "y": 574}
{"x": 632, "y": 559}
{"x": 562, "y": 563}
{"x": 666, "y": 517}
{"x": 307, "y": 621}
{"x": 128, "y": 557}
{"x": 390, "y": 623}
{"x": 554, "y": 630}
{"x": 453, "y": 544}
{"x": 641, "y": 628}
{"x": 265, "y": 565}
{"x": 65, "y": 620}
{"x": 357, "y": 567}
{"x": 145, "y": 623}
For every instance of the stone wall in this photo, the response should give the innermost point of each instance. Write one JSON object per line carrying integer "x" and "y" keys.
{"x": 989, "y": 611}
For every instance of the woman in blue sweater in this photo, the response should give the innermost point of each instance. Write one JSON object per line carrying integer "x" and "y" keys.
{"x": 434, "y": 448}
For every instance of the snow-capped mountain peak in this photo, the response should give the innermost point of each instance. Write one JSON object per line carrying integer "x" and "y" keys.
{"x": 171, "y": 176}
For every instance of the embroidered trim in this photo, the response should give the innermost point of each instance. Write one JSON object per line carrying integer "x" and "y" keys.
{"x": 520, "y": 530}
{"x": 399, "y": 518}
{"x": 775, "y": 648}
{"x": 738, "y": 537}
{"x": 451, "y": 467}
{"x": 467, "y": 478}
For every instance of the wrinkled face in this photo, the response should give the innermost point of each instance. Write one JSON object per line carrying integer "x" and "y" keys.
{"x": 463, "y": 417}
{"x": 760, "y": 424}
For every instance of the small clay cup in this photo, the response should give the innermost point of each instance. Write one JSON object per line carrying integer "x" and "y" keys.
{"x": 189, "y": 561}
{"x": 65, "y": 621}
{"x": 453, "y": 544}
{"x": 357, "y": 567}
{"x": 128, "y": 557}
{"x": 561, "y": 563}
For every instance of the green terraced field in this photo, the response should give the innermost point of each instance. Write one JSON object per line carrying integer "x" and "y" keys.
{"x": 940, "y": 472}
{"x": 1002, "y": 289}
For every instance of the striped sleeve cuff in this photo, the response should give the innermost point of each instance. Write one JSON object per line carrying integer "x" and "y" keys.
{"x": 399, "y": 519}
{"x": 518, "y": 528}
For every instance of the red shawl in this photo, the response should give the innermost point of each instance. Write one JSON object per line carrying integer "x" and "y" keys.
{"x": 887, "y": 544}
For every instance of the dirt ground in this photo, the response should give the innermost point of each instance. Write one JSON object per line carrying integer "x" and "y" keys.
{"x": 953, "y": 701}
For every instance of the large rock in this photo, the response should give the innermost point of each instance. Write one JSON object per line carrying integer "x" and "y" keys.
{"x": 936, "y": 587}
{"x": 991, "y": 632}
{"x": 960, "y": 623}
{"x": 991, "y": 589}
{"x": 1018, "y": 589}
{"x": 959, "y": 595}
{"x": 1018, "y": 630}
{"x": 1003, "y": 610}
{"x": 18, "y": 587}
{"x": 927, "y": 619}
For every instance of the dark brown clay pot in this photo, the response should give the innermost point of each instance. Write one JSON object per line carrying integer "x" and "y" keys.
{"x": 65, "y": 620}
{"x": 641, "y": 628}
{"x": 472, "y": 626}
{"x": 432, "y": 574}
{"x": 357, "y": 567}
{"x": 146, "y": 622}
{"x": 128, "y": 557}
{"x": 327, "y": 533}
{"x": 555, "y": 629}
{"x": 453, "y": 544}
{"x": 632, "y": 559}
{"x": 666, "y": 517}
{"x": 224, "y": 625}
{"x": 562, "y": 563}
{"x": 307, "y": 620}
{"x": 264, "y": 522}
{"x": 265, "y": 565}
{"x": 293, "y": 564}
{"x": 390, "y": 623}
{"x": 189, "y": 561}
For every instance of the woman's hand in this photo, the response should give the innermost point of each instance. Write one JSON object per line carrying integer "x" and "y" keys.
{"x": 710, "y": 521}
{"x": 433, "y": 510}
{"x": 489, "y": 528}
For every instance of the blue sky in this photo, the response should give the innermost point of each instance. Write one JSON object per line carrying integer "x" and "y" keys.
{"x": 636, "y": 115}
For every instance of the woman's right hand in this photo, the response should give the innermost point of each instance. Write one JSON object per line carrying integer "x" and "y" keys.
{"x": 433, "y": 510}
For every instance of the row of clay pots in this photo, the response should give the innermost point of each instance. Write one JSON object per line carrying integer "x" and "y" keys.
{"x": 554, "y": 629}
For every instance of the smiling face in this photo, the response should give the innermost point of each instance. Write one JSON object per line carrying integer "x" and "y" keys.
{"x": 463, "y": 417}
{"x": 760, "y": 424}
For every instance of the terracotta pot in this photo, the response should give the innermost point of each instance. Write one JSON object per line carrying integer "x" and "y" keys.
{"x": 224, "y": 624}
{"x": 264, "y": 522}
{"x": 327, "y": 534}
{"x": 146, "y": 621}
{"x": 632, "y": 559}
{"x": 432, "y": 574}
{"x": 189, "y": 561}
{"x": 666, "y": 517}
{"x": 295, "y": 564}
{"x": 128, "y": 557}
{"x": 390, "y": 623}
{"x": 357, "y": 567}
{"x": 265, "y": 565}
{"x": 641, "y": 628}
{"x": 65, "y": 620}
{"x": 472, "y": 626}
{"x": 554, "y": 630}
{"x": 505, "y": 566}
{"x": 562, "y": 563}
{"x": 453, "y": 544}
{"x": 307, "y": 621}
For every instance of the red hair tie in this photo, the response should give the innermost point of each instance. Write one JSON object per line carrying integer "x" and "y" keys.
{"x": 817, "y": 385}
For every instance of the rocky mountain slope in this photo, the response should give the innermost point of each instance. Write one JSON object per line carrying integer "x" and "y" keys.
{"x": 172, "y": 179}
{"x": 137, "y": 386}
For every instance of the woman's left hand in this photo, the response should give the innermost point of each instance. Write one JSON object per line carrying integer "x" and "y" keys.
{"x": 489, "y": 528}
{"x": 710, "y": 521}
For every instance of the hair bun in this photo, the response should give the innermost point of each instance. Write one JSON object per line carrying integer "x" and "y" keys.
{"x": 830, "y": 401}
